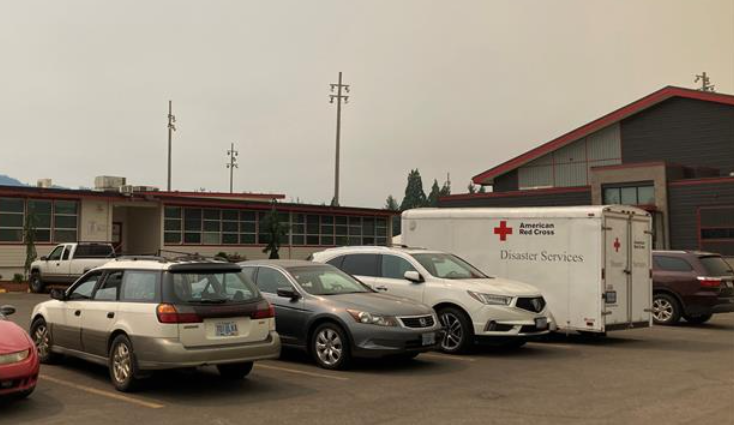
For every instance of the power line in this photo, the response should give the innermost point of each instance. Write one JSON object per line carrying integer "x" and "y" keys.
{"x": 339, "y": 97}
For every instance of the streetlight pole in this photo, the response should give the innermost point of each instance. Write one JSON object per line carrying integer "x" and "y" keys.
{"x": 171, "y": 129}
{"x": 231, "y": 165}
{"x": 338, "y": 96}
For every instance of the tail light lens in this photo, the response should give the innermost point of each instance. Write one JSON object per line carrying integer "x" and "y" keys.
{"x": 709, "y": 282}
{"x": 265, "y": 310}
{"x": 167, "y": 313}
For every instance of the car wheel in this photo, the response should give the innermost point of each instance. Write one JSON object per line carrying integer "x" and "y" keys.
{"x": 123, "y": 365}
{"x": 459, "y": 335}
{"x": 330, "y": 347}
{"x": 235, "y": 371}
{"x": 665, "y": 309}
{"x": 36, "y": 284}
{"x": 41, "y": 335}
{"x": 700, "y": 319}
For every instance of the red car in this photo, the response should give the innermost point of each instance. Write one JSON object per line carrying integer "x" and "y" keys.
{"x": 19, "y": 363}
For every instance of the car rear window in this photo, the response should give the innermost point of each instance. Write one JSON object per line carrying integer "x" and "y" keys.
{"x": 671, "y": 264}
{"x": 212, "y": 287}
{"x": 93, "y": 251}
{"x": 716, "y": 266}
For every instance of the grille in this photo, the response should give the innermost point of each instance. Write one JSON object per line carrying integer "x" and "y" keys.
{"x": 535, "y": 304}
{"x": 417, "y": 322}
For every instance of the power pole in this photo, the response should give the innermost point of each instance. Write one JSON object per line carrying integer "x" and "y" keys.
{"x": 231, "y": 165}
{"x": 705, "y": 82}
{"x": 171, "y": 129}
{"x": 338, "y": 96}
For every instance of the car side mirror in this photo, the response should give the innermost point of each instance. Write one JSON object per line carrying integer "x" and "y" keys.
{"x": 288, "y": 293}
{"x": 44, "y": 258}
{"x": 58, "y": 294}
{"x": 7, "y": 310}
{"x": 413, "y": 276}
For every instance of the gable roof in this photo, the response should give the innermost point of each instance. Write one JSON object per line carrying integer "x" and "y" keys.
{"x": 611, "y": 118}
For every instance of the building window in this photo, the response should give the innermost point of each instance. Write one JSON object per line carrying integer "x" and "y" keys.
{"x": 629, "y": 195}
{"x": 42, "y": 213}
{"x": 66, "y": 217}
{"x": 716, "y": 229}
{"x": 12, "y": 211}
{"x": 54, "y": 220}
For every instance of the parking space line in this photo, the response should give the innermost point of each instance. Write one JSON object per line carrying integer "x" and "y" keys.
{"x": 301, "y": 372}
{"x": 103, "y": 393}
{"x": 445, "y": 357}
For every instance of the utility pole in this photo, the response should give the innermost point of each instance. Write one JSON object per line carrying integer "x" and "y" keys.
{"x": 171, "y": 129}
{"x": 338, "y": 96}
{"x": 231, "y": 165}
{"x": 705, "y": 82}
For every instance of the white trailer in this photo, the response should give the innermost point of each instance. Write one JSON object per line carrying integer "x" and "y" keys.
{"x": 592, "y": 263}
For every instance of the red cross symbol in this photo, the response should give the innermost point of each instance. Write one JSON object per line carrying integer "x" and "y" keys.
{"x": 503, "y": 230}
{"x": 617, "y": 244}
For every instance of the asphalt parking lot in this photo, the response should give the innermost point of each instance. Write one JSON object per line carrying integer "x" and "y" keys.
{"x": 671, "y": 375}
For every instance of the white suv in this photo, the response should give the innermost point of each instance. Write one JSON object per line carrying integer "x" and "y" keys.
{"x": 472, "y": 306}
{"x": 136, "y": 315}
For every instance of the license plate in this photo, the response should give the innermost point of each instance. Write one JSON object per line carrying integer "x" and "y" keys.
{"x": 429, "y": 339}
{"x": 541, "y": 322}
{"x": 227, "y": 329}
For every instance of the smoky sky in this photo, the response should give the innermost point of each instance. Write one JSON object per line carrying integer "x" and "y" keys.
{"x": 443, "y": 86}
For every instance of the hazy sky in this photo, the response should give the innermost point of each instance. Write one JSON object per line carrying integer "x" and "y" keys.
{"x": 444, "y": 86}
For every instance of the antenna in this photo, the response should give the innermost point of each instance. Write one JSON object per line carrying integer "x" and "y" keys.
{"x": 231, "y": 165}
{"x": 339, "y": 87}
{"x": 705, "y": 82}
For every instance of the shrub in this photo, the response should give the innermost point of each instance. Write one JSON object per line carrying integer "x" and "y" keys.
{"x": 18, "y": 278}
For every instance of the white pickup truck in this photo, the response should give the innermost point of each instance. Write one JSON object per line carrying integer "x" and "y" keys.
{"x": 67, "y": 262}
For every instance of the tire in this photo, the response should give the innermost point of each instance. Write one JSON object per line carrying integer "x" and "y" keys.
{"x": 35, "y": 283}
{"x": 123, "y": 365}
{"x": 235, "y": 371}
{"x": 666, "y": 310}
{"x": 459, "y": 337}
{"x": 698, "y": 320}
{"x": 330, "y": 347}
{"x": 41, "y": 336}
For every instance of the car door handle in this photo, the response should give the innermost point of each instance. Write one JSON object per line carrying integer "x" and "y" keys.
{"x": 381, "y": 288}
{"x": 110, "y": 315}
{"x": 78, "y": 313}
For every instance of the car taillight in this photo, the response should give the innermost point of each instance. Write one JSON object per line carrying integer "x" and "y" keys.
{"x": 167, "y": 313}
{"x": 265, "y": 310}
{"x": 709, "y": 282}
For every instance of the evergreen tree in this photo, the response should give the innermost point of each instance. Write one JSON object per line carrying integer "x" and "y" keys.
{"x": 434, "y": 195}
{"x": 415, "y": 197}
{"x": 482, "y": 190}
{"x": 471, "y": 188}
{"x": 29, "y": 237}
{"x": 275, "y": 231}
{"x": 446, "y": 188}
{"x": 391, "y": 204}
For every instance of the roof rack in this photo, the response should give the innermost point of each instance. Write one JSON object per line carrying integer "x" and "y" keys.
{"x": 142, "y": 258}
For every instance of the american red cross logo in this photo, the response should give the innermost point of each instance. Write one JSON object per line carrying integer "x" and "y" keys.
{"x": 503, "y": 230}
{"x": 617, "y": 244}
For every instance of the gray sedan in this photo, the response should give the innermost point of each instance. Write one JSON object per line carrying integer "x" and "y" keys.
{"x": 335, "y": 317}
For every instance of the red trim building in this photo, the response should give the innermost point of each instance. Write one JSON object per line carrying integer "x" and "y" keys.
{"x": 671, "y": 152}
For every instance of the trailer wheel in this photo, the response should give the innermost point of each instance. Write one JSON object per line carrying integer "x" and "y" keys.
{"x": 665, "y": 309}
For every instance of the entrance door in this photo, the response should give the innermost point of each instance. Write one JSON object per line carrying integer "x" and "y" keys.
{"x": 617, "y": 269}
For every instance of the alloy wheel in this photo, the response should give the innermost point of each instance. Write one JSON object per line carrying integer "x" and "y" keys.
{"x": 454, "y": 332}
{"x": 121, "y": 363}
{"x": 329, "y": 347}
{"x": 42, "y": 340}
{"x": 662, "y": 310}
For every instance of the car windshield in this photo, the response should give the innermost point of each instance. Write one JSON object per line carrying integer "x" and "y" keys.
{"x": 213, "y": 287}
{"x": 448, "y": 266}
{"x": 716, "y": 266}
{"x": 326, "y": 281}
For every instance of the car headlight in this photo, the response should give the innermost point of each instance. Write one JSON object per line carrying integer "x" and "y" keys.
{"x": 14, "y": 357}
{"x": 490, "y": 299}
{"x": 372, "y": 319}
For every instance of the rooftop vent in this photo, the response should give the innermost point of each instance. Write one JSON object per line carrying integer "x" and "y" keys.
{"x": 109, "y": 183}
{"x": 44, "y": 183}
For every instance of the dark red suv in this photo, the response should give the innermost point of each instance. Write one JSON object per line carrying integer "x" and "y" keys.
{"x": 689, "y": 284}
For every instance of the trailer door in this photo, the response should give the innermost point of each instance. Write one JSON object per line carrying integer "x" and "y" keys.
{"x": 641, "y": 281}
{"x": 617, "y": 269}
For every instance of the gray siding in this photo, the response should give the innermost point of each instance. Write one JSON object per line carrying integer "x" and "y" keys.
{"x": 526, "y": 199}
{"x": 684, "y": 201}
{"x": 684, "y": 131}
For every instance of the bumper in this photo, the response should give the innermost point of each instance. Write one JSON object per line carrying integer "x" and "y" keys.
{"x": 19, "y": 377}
{"x": 510, "y": 322}
{"x": 166, "y": 353}
{"x": 727, "y": 307}
{"x": 709, "y": 303}
{"x": 376, "y": 341}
